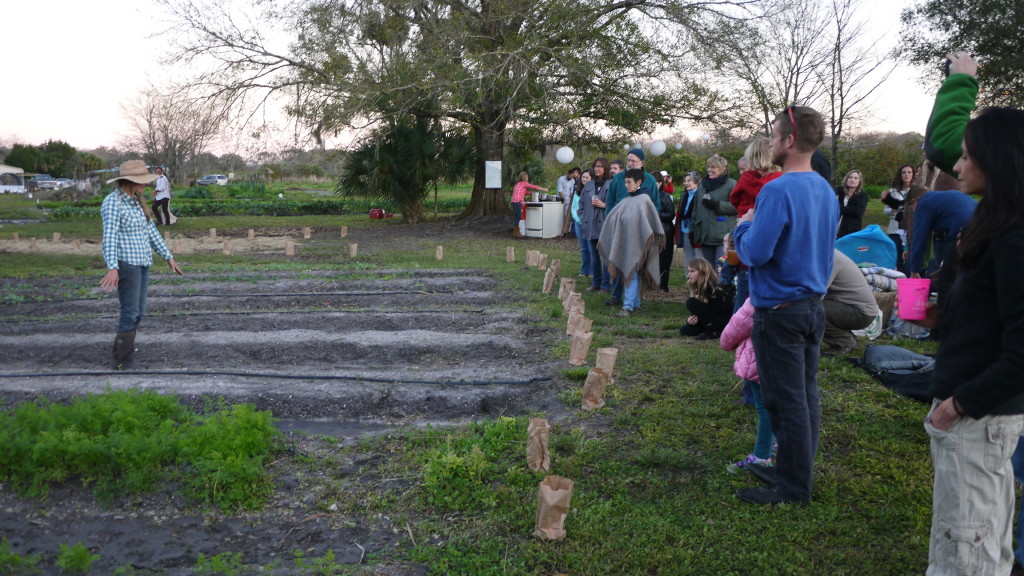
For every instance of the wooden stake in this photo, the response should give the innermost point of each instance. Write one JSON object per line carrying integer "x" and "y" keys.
{"x": 289, "y": 248}
{"x": 344, "y": 231}
{"x": 76, "y": 244}
{"x": 353, "y": 249}
{"x": 307, "y": 233}
{"x": 56, "y": 237}
{"x": 227, "y": 246}
{"x": 510, "y": 254}
{"x": 439, "y": 253}
{"x": 252, "y": 234}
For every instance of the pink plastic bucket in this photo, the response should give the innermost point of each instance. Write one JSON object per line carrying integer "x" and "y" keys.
{"x": 912, "y": 297}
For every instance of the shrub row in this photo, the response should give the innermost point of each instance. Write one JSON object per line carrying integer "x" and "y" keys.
{"x": 194, "y": 207}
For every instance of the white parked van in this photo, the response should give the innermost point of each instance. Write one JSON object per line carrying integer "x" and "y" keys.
{"x": 12, "y": 180}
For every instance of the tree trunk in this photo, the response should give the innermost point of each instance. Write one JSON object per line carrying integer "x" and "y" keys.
{"x": 487, "y": 202}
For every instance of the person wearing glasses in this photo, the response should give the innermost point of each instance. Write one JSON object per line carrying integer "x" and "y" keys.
{"x": 788, "y": 241}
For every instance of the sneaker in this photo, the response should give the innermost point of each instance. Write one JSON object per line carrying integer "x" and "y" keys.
{"x": 593, "y": 288}
{"x": 625, "y": 313}
{"x": 743, "y": 465}
{"x": 763, "y": 472}
{"x": 613, "y": 302}
{"x": 769, "y": 495}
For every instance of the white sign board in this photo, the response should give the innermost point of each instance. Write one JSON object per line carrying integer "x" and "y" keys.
{"x": 492, "y": 174}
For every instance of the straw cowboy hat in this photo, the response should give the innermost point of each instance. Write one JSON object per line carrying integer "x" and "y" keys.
{"x": 134, "y": 171}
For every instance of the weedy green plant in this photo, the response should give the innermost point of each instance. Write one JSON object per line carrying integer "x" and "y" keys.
{"x": 75, "y": 559}
{"x": 223, "y": 564}
{"x": 14, "y": 564}
{"x": 322, "y": 566}
{"x": 576, "y": 374}
{"x": 126, "y": 442}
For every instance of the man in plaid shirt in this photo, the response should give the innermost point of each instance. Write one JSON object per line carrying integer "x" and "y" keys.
{"x": 129, "y": 238}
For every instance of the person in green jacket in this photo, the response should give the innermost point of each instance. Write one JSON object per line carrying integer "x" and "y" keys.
{"x": 952, "y": 110}
{"x": 617, "y": 189}
{"x": 713, "y": 216}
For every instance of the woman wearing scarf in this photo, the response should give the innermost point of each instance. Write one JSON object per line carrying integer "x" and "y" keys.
{"x": 713, "y": 216}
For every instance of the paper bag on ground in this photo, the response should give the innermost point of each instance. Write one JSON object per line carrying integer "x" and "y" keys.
{"x": 542, "y": 262}
{"x": 593, "y": 389}
{"x": 574, "y": 302}
{"x": 579, "y": 346}
{"x": 549, "y": 280}
{"x": 577, "y": 323}
{"x": 531, "y": 257}
{"x": 566, "y": 286}
{"x": 556, "y": 265}
{"x": 606, "y": 360}
{"x": 538, "y": 457}
{"x": 553, "y": 499}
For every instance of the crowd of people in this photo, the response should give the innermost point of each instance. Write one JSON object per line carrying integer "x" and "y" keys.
{"x": 764, "y": 277}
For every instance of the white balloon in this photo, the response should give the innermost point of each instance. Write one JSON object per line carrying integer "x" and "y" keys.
{"x": 565, "y": 155}
{"x": 637, "y": 145}
{"x": 625, "y": 147}
{"x": 658, "y": 147}
{"x": 679, "y": 146}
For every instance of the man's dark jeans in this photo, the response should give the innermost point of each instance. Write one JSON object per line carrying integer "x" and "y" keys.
{"x": 786, "y": 344}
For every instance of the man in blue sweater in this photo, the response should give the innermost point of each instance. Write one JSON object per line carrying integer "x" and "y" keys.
{"x": 788, "y": 241}
{"x": 939, "y": 216}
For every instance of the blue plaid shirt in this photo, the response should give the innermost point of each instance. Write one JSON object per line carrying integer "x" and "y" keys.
{"x": 127, "y": 235}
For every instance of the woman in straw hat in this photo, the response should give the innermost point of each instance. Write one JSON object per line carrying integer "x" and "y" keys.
{"x": 129, "y": 238}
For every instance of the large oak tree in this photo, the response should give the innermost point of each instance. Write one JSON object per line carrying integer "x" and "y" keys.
{"x": 560, "y": 67}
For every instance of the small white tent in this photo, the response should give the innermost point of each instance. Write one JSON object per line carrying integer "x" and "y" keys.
{"x": 12, "y": 180}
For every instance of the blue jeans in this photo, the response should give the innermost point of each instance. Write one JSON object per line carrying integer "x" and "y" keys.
{"x": 598, "y": 273}
{"x": 787, "y": 344}
{"x": 763, "y": 443}
{"x": 1018, "y": 472}
{"x": 617, "y": 289}
{"x": 632, "y": 300}
{"x": 517, "y": 211}
{"x": 584, "y": 251}
{"x": 132, "y": 285}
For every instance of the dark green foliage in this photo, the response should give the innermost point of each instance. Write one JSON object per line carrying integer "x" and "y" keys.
{"x": 403, "y": 161}
{"x": 127, "y": 442}
{"x": 992, "y": 30}
{"x": 195, "y": 192}
{"x": 248, "y": 189}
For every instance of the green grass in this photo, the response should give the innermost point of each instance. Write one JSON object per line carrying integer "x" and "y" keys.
{"x": 651, "y": 492}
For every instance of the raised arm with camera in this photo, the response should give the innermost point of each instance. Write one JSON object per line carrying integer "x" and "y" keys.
{"x": 952, "y": 110}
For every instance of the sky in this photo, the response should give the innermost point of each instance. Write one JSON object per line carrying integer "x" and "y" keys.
{"x": 72, "y": 64}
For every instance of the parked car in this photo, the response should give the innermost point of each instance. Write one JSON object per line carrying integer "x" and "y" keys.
{"x": 213, "y": 180}
{"x": 43, "y": 182}
{"x": 63, "y": 183}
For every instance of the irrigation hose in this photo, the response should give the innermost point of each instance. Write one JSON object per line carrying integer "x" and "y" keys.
{"x": 281, "y": 377}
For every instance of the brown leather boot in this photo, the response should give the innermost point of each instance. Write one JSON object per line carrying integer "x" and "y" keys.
{"x": 516, "y": 233}
{"x": 124, "y": 351}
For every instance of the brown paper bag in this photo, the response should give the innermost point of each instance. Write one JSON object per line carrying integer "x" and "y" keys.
{"x": 593, "y": 389}
{"x": 531, "y": 257}
{"x": 565, "y": 287}
{"x": 549, "y": 280}
{"x": 542, "y": 262}
{"x": 556, "y": 265}
{"x": 577, "y": 323}
{"x": 579, "y": 346}
{"x": 553, "y": 497}
{"x": 606, "y": 360}
{"x": 439, "y": 253}
{"x": 578, "y": 305}
{"x": 538, "y": 457}
{"x": 510, "y": 254}
{"x": 570, "y": 301}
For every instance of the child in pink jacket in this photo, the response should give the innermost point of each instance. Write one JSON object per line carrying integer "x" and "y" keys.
{"x": 736, "y": 336}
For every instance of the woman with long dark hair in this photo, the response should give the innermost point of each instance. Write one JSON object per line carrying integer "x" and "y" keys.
{"x": 978, "y": 408}
{"x": 895, "y": 199}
